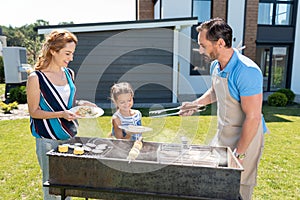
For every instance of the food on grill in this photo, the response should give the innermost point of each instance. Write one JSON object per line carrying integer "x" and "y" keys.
{"x": 78, "y": 144}
{"x": 86, "y": 148}
{"x": 78, "y": 150}
{"x": 97, "y": 151}
{"x": 101, "y": 146}
{"x": 63, "y": 148}
{"x": 133, "y": 154}
{"x": 138, "y": 144}
{"x": 90, "y": 145}
{"x": 135, "y": 150}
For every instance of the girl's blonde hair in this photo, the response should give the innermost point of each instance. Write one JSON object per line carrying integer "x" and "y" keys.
{"x": 55, "y": 41}
{"x": 120, "y": 88}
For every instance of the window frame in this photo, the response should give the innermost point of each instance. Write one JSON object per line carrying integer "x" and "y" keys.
{"x": 274, "y": 4}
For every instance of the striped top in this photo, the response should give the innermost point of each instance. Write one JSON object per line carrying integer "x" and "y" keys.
{"x": 134, "y": 120}
{"x": 51, "y": 100}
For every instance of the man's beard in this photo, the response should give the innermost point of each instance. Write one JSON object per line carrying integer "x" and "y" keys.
{"x": 212, "y": 56}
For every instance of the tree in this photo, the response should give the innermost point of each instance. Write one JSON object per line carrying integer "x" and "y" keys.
{"x": 33, "y": 41}
{"x": 27, "y": 36}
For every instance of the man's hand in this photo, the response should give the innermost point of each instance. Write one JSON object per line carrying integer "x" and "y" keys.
{"x": 188, "y": 108}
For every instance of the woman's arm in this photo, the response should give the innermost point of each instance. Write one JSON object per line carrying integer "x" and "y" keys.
{"x": 33, "y": 100}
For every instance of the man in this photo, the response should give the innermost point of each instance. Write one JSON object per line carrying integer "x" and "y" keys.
{"x": 237, "y": 84}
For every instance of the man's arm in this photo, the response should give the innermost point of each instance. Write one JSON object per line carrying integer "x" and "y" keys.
{"x": 207, "y": 98}
{"x": 251, "y": 105}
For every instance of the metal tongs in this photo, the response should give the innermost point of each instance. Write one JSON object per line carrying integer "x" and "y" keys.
{"x": 162, "y": 112}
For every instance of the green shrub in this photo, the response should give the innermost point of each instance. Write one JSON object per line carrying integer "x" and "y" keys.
{"x": 277, "y": 99}
{"x": 18, "y": 94}
{"x": 288, "y": 93}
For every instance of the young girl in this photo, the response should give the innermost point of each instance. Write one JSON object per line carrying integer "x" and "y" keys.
{"x": 122, "y": 96}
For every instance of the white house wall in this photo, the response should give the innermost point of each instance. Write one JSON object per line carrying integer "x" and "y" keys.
{"x": 295, "y": 83}
{"x": 186, "y": 85}
{"x": 156, "y": 10}
{"x": 235, "y": 18}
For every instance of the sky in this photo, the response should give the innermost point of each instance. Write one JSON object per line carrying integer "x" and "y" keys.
{"x": 17, "y": 13}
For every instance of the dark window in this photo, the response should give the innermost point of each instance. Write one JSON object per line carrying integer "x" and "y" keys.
{"x": 202, "y": 10}
{"x": 199, "y": 64}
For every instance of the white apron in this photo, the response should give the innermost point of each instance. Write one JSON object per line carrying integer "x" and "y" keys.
{"x": 230, "y": 121}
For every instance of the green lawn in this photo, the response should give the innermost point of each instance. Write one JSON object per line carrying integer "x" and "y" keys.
{"x": 278, "y": 176}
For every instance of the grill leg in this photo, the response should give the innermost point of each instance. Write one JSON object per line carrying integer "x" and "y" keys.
{"x": 63, "y": 194}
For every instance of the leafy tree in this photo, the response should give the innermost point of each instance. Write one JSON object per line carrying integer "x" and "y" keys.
{"x": 65, "y": 23}
{"x": 33, "y": 41}
{"x": 27, "y": 36}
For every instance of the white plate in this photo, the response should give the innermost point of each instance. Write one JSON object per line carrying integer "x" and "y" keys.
{"x": 87, "y": 111}
{"x": 136, "y": 129}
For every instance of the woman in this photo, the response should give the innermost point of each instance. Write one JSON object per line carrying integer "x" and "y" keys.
{"x": 50, "y": 95}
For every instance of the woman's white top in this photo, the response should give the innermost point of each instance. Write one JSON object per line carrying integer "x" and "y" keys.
{"x": 64, "y": 91}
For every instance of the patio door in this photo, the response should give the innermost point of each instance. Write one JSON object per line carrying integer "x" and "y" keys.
{"x": 274, "y": 65}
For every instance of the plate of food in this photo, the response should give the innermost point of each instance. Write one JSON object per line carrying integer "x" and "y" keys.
{"x": 87, "y": 111}
{"x": 136, "y": 129}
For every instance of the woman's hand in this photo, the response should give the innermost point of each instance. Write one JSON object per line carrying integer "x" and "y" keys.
{"x": 68, "y": 115}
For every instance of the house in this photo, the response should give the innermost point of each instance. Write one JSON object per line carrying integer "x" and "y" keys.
{"x": 155, "y": 52}
{"x": 140, "y": 52}
{"x": 268, "y": 28}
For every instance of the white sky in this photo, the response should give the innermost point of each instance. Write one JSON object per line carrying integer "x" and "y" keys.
{"x": 17, "y": 13}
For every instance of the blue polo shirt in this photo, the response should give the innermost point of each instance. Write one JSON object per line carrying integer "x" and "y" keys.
{"x": 244, "y": 77}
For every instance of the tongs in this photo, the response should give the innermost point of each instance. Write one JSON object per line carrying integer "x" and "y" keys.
{"x": 158, "y": 113}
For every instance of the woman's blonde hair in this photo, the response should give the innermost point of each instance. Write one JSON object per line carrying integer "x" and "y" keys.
{"x": 120, "y": 88}
{"x": 55, "y": 41}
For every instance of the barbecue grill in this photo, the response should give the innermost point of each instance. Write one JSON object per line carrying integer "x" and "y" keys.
{"x": 161, "y": 171}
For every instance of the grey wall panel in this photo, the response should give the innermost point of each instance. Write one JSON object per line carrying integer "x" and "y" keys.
{"x": 141, "y": 57}
{"x": 274, "y": 34}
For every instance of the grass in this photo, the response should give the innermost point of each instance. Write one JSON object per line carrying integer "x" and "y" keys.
{"x": 278, "y": 176}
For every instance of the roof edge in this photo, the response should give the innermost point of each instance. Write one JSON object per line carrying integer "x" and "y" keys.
{"x": 121, "y": 25}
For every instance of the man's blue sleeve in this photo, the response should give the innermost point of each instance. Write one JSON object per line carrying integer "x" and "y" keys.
{"x": 250, "y": 81}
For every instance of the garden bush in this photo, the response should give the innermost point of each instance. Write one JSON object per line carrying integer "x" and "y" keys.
{"x": 277, "y": 99}
{"x": 288, "y": 93}
{"x": 18, "y": 94}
